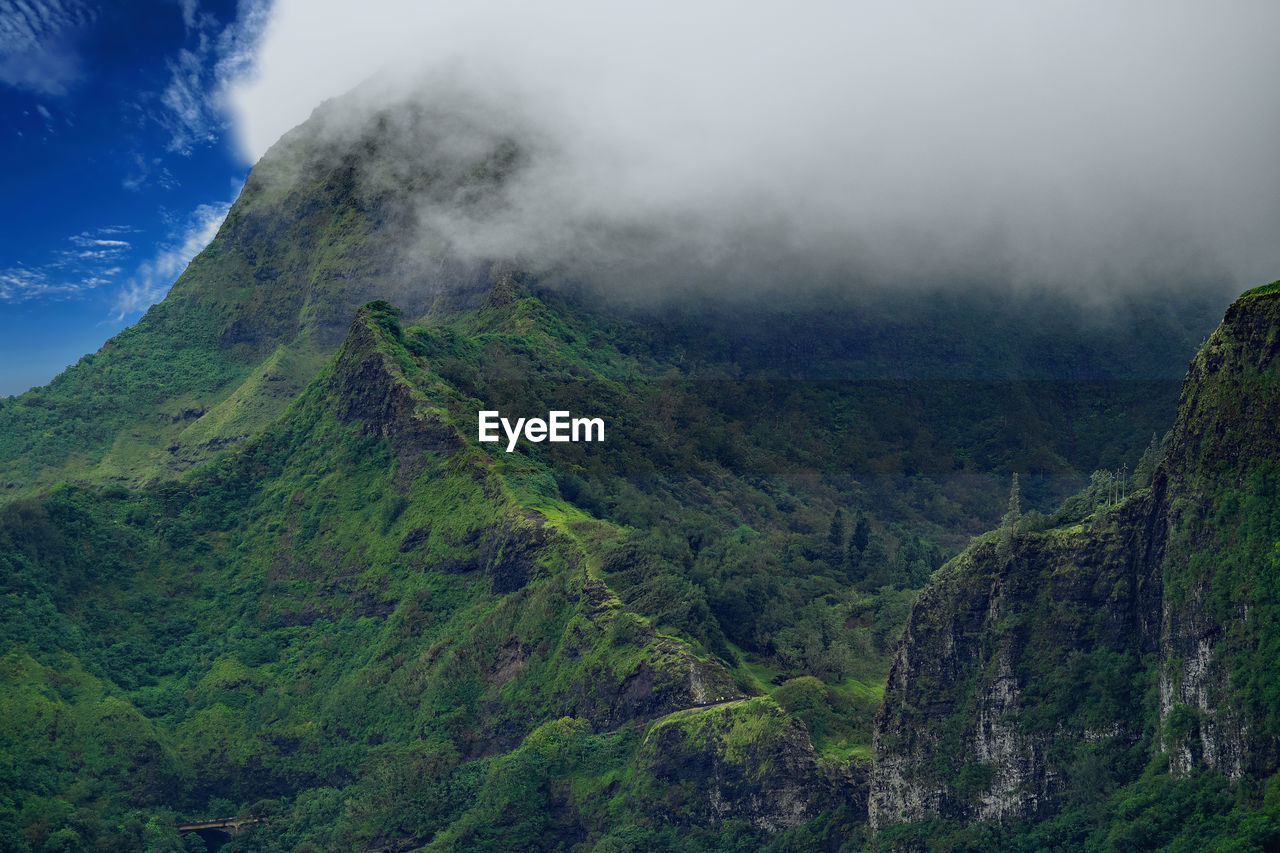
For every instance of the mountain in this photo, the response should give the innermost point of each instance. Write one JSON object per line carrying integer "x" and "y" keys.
{"x": 362, "y": 203}
{"x": 255, "y": 561}
{"x": 360, "y": 591}
{"x": 1110, "y": 681}
{"x": 248, "y": 324}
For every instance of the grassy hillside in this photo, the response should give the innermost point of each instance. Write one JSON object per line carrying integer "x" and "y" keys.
{"x": 368, "y": 628}
{"x": 313, "y": 235}
{"x": 254, "y": 561}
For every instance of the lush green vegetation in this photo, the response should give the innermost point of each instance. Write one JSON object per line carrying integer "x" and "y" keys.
{"x": 247, "y": 571}
{"x": 320, "y": 626}
{"x": 146, "y": 376}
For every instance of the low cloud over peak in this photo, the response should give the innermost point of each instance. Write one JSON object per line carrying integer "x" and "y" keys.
{"x": 1088, "y": 145}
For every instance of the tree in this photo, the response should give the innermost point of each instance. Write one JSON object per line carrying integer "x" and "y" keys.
{"x": 1146, "y": 468}
{"x": 836, "y": 534}
{"x": 1014, "y": 513}
{"x": 1099, "y": 483}
{"x": 832, "y": 549}
{"x": 858, "y": 541}
{"x": 1011, "y": 517}
{"x": 874, "y": 568}
{"x": 861, "y": 532}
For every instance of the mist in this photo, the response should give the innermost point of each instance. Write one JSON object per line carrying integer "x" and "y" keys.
{"x": 1087, "y": 147}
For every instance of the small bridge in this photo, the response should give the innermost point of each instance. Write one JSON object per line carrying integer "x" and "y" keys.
{"x": 229, "y": 825}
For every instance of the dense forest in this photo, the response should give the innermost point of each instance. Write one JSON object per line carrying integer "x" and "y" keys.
{"x": 947, "y": 568}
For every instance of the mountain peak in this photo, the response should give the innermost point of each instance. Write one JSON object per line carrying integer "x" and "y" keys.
{"x": 1230, "y": 401}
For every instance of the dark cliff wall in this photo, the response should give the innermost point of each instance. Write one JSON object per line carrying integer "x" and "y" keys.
{"x": 1219, "y": 680}
{"x": 1043, "y": 665}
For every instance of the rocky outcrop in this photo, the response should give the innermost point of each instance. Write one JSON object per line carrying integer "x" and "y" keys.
{"x": 1201, "y": 727}
{"x": 970, "y": 728}
{"x": 1219, "y": 523}
{"x": 667, "y": 677}
{"x": 1022, "y": 666}
{"x": 744, "y": 759}
{"x": 1227, "y": 411}
{"x": 369, "y": 386}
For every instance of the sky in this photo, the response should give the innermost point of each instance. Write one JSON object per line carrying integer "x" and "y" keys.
{"x": 1091, "y": 146}
{"x": 116, "y": 164}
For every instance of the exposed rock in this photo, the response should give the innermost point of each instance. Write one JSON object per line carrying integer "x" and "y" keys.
{"x": 369, "y": 386}
{"x": 1027, "y": 647}
{"x": 744, "y": 759}
{"x": 668, "y": 678}
{"x": 1191, "y": 676}
{"x": 954, "y": 738}
{"x": 509, "y": 554}
{"x": 506, "y": 290}
{"x": 1225, "y": 431}
{"x": 510, "y": 659}
{"x": 415, "y": 538}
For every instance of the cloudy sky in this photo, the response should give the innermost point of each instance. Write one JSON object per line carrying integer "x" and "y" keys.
{"x": 1082, "y": 144}
{"x": 116, "y": 163}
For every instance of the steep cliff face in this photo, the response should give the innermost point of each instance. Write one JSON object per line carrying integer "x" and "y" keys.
{"x": 1230, "y": 397}
{"x": 1042, "y": 663}
{"x": 1022, "y": 648}
{"x": 1218, "y": 638}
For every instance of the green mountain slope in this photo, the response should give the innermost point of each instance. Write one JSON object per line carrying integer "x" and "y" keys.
{"x": 255, "y": 562}
{"x": 275, "y": 648}
{"x": 357, "y": 587}
{"x": 313, "y": 235}
{"x": 342, "y": 211}
{"x": 667, "y": 639}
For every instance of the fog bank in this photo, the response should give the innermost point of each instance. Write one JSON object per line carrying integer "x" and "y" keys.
{"x": 1089, "y": 146}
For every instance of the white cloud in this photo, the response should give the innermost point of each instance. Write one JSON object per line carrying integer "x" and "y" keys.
{"x": 186, "y": 117}
{"x": 87, "y": 239}
{"x": 90, "y": 247}
{"x": 190, "y": 8}
{"x": 148, "y": 172}
{"x": 20, "y": 283}
{"x": 1061, "y": 142}
{"x": 91, "y": 262}
{"x": 192, "y": 107}
{"x": 152, "y": 280}
{"x": 237, "y": 45}
{"x": 39, "y": 41}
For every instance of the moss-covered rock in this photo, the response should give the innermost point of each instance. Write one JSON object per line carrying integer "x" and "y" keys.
{"x": 743, "y": 759}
